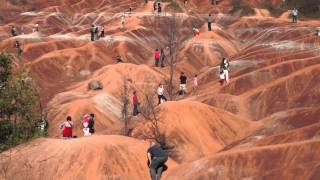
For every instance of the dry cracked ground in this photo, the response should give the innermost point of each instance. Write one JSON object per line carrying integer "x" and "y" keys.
{"x": 264, "y": 124}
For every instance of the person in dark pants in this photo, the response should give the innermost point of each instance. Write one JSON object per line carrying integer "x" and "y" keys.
{"x": 160, "y": 93}
{"x": 91, "y": 123}
{"x": 92, "y": 32}
{"x": 135, "y": 103}
{"x": 157, "y": 159}
{"x": 102, "y": 32}
{"x": 183, "y": 84}
{"x": 209, "y": 22}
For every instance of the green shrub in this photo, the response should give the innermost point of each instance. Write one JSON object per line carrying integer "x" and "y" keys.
{"x": 20, "y": 113}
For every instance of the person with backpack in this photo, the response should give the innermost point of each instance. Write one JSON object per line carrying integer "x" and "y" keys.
{"x": 224, "y": 70}
{"x": 160, "y": 93}
{"x": 209, "y": 22}
{"x": 183, "y": 84}
{"x": 157, "y": 158}
{"x": 157, "y": 57}
{"x": 91, "y": 123}
{"x": 135, "y": 103}
{"x": 92, "y": 31}
{"x": 294, "y": 14}
{"x": 162, "y": 57}
{"x": 86, "y": 130}
{"x": 67, "y": 128}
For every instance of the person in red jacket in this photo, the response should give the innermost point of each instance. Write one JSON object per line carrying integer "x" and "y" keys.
{"x": 157, "y": 57}
{"x": 135, "y": 103}
{"x": 67, "y": 128}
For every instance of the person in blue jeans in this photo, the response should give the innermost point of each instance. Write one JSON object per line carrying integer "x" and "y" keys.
{"x": 157, "y": 159}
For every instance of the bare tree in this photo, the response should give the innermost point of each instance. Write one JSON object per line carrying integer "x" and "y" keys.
{"x": 125, "y": 106}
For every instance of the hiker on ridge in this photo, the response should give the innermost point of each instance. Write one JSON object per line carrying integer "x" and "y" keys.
{"x": 67, "y": 128}
{"x": 157, "y": 159}
{"x": 209, "y": 22}
{"x": 92, "y": 32}
{"x": 294, "y": 14}
{"x": 160, "y": 93}
{"x": 102, "y": 32}
{"x": 135, "y": 103}
{"x": 195, "y": 82}
{"x": 183, "y": 84}
{"x": 156, "y": 57}
{"x": 224, "y": 71}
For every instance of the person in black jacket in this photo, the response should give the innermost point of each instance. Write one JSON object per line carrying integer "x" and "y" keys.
{"x": 183, "y": 84}
{"x": 91, "y": 123}
{"x": 157, "y": 158}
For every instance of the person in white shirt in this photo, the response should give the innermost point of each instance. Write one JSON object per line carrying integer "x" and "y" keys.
{"x": 294, "y": 15}
{"x": 160, "y": 93}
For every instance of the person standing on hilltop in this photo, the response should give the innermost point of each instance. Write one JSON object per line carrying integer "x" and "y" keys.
{"x": 135, "y": 103}
{"x": 209, "y": 22}
{"x": 67, "y": 128}
{"x": 160, "y": 93}
{"x": 183, "y": 84}
{"x": 92, "y": 31}
{"x": 157, "y": 57}
{"x": 102, "y": 32}
{"x": 122, "y": 22}
{"x": 294, "y": 14}
{"x": 157, "y": 158}
{"x": 195, "y": 82}
{"x": 224, "y": 70}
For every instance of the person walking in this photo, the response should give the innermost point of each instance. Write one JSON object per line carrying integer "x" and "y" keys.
{"x": 135, "y": 103}
{"x": 67, "y": 128}
{"x": 224, "y": 69}
{"x": 102, "y": 32}
{"x": 209, "y": 22}
{"x": 195, "y": 82}
{"x": 92, "y": 31}
{"x": 157, "y": 159}
{"x": 183, "y": 84}
{"x": 96, "y": 33}
{"x": 160, "y": 93}
{"x": 157, "y": 57}
{"x": 294, "y": 14}
{"x": 122, "y": 22}
{"x": 185, "y": 3}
